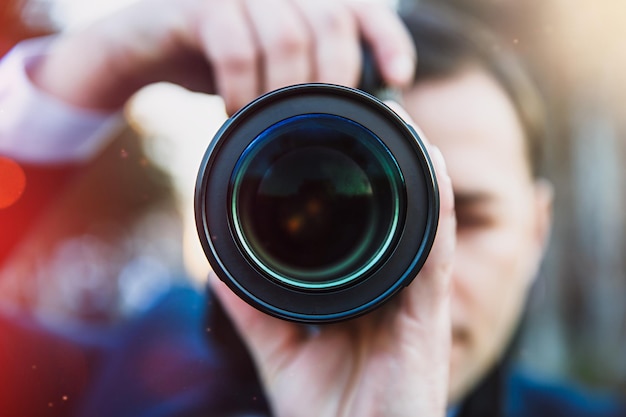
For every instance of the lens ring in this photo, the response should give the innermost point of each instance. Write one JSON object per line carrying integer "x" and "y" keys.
{"x": 295, "y": 186}
{"x": 412, "y": 240}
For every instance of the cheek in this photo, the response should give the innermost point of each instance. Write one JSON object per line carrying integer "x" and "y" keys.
{"x": 490, "y": 283}
{"x": 500, "y": 254}
{"x": 491, "y": 280}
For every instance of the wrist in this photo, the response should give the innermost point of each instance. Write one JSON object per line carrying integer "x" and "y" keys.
{"x": 60, "y": 133}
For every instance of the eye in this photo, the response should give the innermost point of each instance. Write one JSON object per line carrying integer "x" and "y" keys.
{"x": 474, "y": 218}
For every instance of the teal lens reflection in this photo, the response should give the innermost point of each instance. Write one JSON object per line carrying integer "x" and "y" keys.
{"x": 316, "y": 201}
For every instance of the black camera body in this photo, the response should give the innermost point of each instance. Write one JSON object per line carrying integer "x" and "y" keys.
{"x": 316, "y": 203}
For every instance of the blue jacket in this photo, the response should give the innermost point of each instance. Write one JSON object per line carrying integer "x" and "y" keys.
{"x": 175, "y": 360}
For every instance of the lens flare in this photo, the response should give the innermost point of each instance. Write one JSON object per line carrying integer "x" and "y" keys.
{"x": 12, "y": 182}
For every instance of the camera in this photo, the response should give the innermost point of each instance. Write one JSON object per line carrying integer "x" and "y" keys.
{"x": 316, "y": 203}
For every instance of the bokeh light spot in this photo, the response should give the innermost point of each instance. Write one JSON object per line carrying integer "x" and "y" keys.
{"x": 12, "y": 182}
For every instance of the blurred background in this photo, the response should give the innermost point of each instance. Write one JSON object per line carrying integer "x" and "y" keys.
{"x": 576, "y": 51}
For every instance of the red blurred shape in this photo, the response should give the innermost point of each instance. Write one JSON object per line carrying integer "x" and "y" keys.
{"x": 12, "y": 182}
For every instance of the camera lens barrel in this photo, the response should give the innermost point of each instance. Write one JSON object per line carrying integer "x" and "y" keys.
{"x": 316, "y": 203}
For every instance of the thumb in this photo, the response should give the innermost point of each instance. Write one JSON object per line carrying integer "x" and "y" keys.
{"x": 430, "y": 291}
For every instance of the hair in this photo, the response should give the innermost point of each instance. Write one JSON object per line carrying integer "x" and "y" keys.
{"x": 448, "y": 43}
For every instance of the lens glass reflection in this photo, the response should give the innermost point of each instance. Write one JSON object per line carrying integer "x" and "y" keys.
{"x": 316, "y": 201}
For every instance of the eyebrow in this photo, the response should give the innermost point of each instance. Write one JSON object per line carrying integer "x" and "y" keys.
{"x": 472, "y": 198}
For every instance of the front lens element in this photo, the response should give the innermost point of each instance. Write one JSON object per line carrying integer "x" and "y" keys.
{"x": 316, "y": 201}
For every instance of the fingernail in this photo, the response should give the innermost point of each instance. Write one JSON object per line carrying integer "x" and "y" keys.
{"x": 436, "y": 154}
{"x": 402, "y": 68}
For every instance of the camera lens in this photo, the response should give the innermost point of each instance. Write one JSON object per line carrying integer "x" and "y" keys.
{"x": 316, "y": 203}
{"x": 316, "y": 200}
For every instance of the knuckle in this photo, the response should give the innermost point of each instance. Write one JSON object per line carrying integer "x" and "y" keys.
{"x": 238, "y": 61}
{"x": 336, "y": 20}
{"x": 290, "y": 41}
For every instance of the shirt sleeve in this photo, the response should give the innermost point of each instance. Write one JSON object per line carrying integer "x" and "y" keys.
{"x": 38, "y": 128}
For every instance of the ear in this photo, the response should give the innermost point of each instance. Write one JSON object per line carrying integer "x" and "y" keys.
{"x": 544, "y": 198}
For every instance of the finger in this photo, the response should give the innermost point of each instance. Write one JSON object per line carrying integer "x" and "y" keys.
{"x": 437, "y": 270}
{"x": 430, "y": 290}
{"x": 229, "y": 45}
{"x": 336, "y": 43}
{"x": 389, "y": 40}
{"x": 284, "y": 40}
{"x": 265, "y": 335}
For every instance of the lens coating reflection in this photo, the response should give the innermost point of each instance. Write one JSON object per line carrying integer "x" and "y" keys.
{"x": 315, "y": 201}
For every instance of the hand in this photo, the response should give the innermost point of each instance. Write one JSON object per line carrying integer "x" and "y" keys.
{"x": 238, "y": 49}
{"x": 391, "y": 362}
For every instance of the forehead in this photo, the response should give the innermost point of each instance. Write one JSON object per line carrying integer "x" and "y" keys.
{"x": 472, "y": 120}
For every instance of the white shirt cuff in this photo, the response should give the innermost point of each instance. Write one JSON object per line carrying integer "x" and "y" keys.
{"x": 38, "y": 128}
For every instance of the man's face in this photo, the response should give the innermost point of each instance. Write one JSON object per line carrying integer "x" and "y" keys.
{"x": 502, "y": 214}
